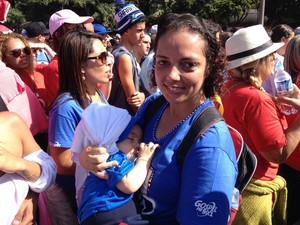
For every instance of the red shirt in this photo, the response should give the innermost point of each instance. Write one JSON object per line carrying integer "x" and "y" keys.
{"x": 39, "y": 67}
{"x": 36, "y": 83}
{"x": 51, "y": 78}
{"x": 254, "y": 114}
{"x": 294, "y": 159}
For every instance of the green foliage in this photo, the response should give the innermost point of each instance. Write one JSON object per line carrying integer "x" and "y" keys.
{"x": 14, "y": 17}
{"x": 224, "y": 12}
{"x": 105, "y": 15}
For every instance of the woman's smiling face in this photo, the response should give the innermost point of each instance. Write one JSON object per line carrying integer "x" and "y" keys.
{"x": 180, "y": 65}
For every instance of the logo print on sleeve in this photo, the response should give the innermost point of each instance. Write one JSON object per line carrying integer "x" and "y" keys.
{"x": 205, "y": 209}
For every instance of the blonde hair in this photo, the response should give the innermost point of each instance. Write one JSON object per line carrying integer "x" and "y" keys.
{"x": 249, "y": 72}
{"x": 5, "y": 38}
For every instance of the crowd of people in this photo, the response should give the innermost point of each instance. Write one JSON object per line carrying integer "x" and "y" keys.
{"x": 75, "y": 102}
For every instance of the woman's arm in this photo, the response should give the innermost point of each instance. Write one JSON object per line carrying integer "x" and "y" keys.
{"x": 292, "y": 133}
{"x": 93, "y": 159}
{"x": 62, "y": 158}
{"x": 293, "y": 137}
{"x": 19, "y": 153}
{"x": 36, "y": 167}
{"x": 207, "y": 181}
{"x": 17, "y": 142}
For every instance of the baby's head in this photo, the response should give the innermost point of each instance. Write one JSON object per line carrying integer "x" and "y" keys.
{"x": 130, "y": 139}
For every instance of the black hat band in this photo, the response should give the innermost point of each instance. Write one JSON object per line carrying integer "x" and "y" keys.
{"x": 250, "y": 52}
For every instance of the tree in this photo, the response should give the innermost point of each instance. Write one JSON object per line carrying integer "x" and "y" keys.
{"x": 41, "y": 10}
{"x": 223, "y": 12}
{"x": 227, "y": 12}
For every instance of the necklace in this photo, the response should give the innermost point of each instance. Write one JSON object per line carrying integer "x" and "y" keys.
{"x": 174, "y": 128}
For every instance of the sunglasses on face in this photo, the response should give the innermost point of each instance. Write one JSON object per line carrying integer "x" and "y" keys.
{"x": 102, "y": 57}
{"x": 17, "y": 52}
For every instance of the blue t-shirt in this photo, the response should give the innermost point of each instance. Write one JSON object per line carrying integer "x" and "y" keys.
{"x": 202, "y": 193}
{"x": 63, "y": 119}
{"x": 102, "y": 195}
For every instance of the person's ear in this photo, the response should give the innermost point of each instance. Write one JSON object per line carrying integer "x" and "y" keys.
{"x": 40, "y": 38}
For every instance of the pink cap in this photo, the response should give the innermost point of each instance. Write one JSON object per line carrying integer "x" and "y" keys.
{"x": 66, "y": 16}
{"x": 4, "y": 29}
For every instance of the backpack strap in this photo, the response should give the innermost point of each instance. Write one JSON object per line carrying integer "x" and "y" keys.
{"x": 152, "y": 107}
{"x": 207, "y": 118}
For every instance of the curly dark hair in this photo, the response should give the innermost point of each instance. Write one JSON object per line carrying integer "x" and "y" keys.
{"x": 215, "y": 59}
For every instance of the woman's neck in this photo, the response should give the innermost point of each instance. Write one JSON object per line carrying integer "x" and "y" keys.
{"x": 21, "y": 72}
{"x": 93, "y": 96}
{"x": 183, "y": 109}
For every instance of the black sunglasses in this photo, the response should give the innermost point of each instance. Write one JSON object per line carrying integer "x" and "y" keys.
{"x": 102, "y": 57}
{"x": 17, "y": 52}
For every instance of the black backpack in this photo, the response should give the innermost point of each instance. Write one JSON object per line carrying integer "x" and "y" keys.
{"x": 246, "y": 160}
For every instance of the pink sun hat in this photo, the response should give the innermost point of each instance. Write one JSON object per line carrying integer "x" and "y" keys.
{"x": 66, "y": 16}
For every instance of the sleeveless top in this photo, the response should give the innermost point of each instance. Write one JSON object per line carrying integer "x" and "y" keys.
{"x": 117, "y": 96}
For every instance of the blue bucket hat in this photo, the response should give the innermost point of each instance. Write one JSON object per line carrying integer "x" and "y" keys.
{"x": 127, "y": 15}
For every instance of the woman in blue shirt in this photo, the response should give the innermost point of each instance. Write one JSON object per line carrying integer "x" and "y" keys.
{"x": 188, "y": 72}
{"x": 83, "y": 64}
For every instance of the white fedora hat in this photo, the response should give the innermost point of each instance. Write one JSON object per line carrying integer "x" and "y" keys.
{"x": 249, "y": 44}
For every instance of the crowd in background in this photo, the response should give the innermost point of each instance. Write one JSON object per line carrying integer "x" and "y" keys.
{"x": 92, "y": 120}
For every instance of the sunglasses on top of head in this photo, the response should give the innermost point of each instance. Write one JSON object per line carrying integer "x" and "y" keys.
{"x": 102, "y": 57}
{"x": 17, "y": 52}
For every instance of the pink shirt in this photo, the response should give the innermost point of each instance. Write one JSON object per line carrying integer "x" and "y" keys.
{"x": 20, "y": 99}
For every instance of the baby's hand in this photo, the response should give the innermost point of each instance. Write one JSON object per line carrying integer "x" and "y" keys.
{"x": 147, "y": 150}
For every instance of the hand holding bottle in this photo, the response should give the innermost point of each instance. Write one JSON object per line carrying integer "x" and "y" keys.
{"x": 294, "y": 99}
{"x": 284, "y": 88}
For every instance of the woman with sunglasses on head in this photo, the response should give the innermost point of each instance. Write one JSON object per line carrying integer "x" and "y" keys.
{"x": 83, "y": 64}
{"x": 17, "y": 54}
